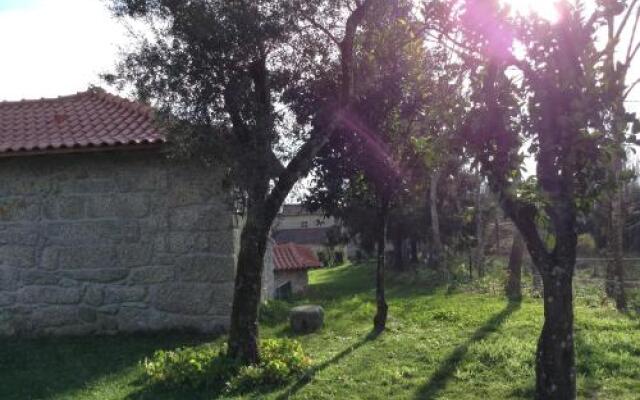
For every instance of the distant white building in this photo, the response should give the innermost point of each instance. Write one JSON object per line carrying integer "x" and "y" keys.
{"x": 294, "y": 224}
{"x": 295, "y": 216}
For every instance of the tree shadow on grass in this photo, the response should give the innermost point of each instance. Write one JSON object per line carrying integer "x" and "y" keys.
{"x": 308, "y": 377}
{"x": 586, "y": 366}
{"x": 596, "y": 364}
{"x": 51, "y": 367}
{"x": 445, "y": 371}
{"x": 161, "y": 392}
{"x": 148, "y": 391}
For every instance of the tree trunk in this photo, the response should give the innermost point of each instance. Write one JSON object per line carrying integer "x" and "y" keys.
{"x": 437, "y": 249}
{"x": 414, "y": 251}
{"x": 243, "y": 332}
{"x": 380, "y": 319}
{"x": 536, "y": 281}
{"x": 514, "y": 279}
{"x": 555, "y": 357}
{"x": 614, "y": 285}
{"x": 615, "y": 267}
{"x": 470, "y": 265}
{"x": 498, "y": 240}
{"x": 398, "y": 251}
{"x": 479, "y": 253}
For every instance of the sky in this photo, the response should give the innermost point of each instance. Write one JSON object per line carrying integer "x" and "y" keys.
{"x": 50, "y": 48}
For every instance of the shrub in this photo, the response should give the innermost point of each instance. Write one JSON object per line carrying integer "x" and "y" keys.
{"x": 190, "y": 366}
{"x": 274, "y": 312}
{"x": 208, "y": 365}
{"x": 280, "y": 361}
{"x": 586, "y": 245}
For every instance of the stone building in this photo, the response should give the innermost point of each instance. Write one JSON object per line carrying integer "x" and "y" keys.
{"x": 99, "y": 231}
{"x": 291, "y": 264}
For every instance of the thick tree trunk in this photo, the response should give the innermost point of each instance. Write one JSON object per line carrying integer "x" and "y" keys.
{"x": 380, "y": 319}
{"x": 243, "y": 332}
{"x": 555, "y": 358}
{"x": 437, "y": 249}
{"x": 514, "y": 269}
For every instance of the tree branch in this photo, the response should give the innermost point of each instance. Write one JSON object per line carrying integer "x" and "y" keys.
{"x": 630, "y": 88}
{"x": 346, "y": 48}
{"x": 625, "y": 19}
{"x": 326, "y": 31}
{"x": 298, "y": 167}
{"x": 633, "y": 35}
{"x": 632, "y": 55}
{"x": 302, "y": 162}
{"x": 524, "y": 215}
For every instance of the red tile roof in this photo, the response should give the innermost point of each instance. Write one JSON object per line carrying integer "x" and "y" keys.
{"x": 89, "y": 120}
{"x": 294, "y": 257}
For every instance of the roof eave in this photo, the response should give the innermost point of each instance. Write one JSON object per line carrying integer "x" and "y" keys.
{"x": 85, "y": 149}
{"x": 297, "y": 269}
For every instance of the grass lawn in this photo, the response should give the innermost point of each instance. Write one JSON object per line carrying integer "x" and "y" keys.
{"x": 438, "y": 345}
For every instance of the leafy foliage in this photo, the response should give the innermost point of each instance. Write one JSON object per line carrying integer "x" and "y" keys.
{"x": 206, "y": 365}
{"x": 209, "y": 366}
{"x": 218, "y": 70}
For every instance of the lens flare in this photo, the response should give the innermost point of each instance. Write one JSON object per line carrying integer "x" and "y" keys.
{"x": 544, "y": 8}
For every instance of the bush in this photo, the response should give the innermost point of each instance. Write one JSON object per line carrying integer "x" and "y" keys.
{"x": 586, "y": 245}
{"x": 209, "y": 366}
{"x": 281, "y": 360}
{"x": 274, "y": 312}
{"x": 190, "y": 366}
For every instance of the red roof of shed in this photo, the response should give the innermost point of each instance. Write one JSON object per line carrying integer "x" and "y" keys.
{"x": 91, "y": 119}
{"x": 292, "y": 257}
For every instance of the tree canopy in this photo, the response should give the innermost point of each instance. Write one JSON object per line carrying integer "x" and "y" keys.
{"x": 405, "y": 104}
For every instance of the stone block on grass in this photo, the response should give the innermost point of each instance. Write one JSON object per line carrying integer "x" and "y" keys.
{"x": 306, "y": 319}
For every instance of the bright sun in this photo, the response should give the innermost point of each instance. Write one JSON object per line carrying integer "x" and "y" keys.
{"x": 544, "y": 8}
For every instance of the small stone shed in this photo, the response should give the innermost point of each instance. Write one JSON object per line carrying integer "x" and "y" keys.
{"x": 291, "y": 265}
{"x": 100, "y": 232}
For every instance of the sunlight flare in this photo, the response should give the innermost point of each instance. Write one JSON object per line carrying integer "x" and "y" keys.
{"x": 544, "y": 8}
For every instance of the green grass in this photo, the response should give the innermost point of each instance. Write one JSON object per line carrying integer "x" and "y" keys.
{"x": 440, "y": 344}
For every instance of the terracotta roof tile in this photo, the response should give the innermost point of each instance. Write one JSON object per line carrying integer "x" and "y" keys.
{"x": 91, "y": 119}
{"x": 294, "y": 257}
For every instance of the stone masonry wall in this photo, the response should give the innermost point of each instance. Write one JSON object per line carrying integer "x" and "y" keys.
{"x": 113, "y": 242}
{"x": 299, "y": 280}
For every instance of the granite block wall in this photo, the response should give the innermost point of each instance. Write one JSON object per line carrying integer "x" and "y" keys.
{"x": 110, "y": 242}
{"x": 299, "y": 280}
